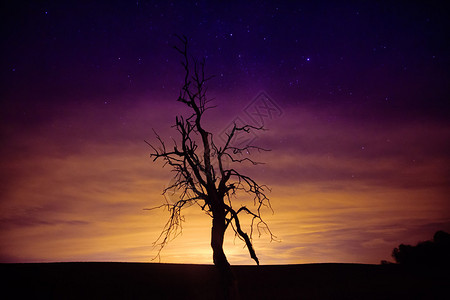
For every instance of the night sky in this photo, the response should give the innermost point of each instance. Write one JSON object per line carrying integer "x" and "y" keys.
{"x": 359, "y": 135}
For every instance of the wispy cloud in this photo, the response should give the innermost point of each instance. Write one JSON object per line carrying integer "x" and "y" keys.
{"x": 341, "y": 192}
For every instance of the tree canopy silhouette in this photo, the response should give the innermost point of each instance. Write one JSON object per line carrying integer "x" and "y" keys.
{"x": 434, "y": 253}
{"x": 205, "y": 170}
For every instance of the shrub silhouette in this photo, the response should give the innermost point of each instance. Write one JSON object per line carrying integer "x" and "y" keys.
{"x": 428, "y": 253}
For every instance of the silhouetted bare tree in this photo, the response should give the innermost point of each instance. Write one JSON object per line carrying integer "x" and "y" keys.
{"x": 201, "y": 174}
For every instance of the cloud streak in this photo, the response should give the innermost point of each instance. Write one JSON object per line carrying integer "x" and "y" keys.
{"x": 81, "y": 196}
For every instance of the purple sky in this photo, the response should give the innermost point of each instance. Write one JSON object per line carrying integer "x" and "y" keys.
{"x": 360, "y": 148}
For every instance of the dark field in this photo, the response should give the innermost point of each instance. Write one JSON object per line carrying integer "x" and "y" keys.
{"x": 176, "y": 281}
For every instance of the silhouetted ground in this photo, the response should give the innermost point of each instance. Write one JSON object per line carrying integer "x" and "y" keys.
{"x": 173, "y": 281}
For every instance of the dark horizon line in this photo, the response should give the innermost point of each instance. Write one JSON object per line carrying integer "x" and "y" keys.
{"x": 188, "y": 264}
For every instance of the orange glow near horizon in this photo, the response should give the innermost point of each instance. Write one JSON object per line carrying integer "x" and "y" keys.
{"x": 334, "y": 206}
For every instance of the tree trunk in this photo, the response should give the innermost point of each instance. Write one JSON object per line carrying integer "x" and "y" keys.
{"x": 217, "y": 237}
{"x": 228, "y": 280}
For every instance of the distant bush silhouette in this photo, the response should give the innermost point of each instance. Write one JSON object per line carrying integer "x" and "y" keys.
{"x": 428, "y": 253}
